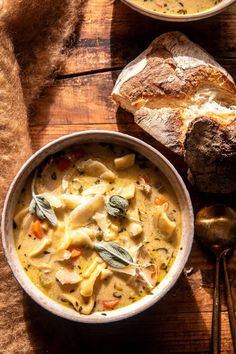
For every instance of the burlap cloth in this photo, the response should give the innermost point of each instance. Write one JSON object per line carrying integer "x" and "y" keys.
{"x": 32, "y": 36}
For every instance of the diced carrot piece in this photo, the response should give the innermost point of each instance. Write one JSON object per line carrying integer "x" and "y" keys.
{"x": 75, "y": 252}
{"x": 37, "y": 229}
{"x": 160, "y": 200}
{"x": 62, "y": 163}
{"x": 110, "y": 304}
{"x": 78, "y": 153}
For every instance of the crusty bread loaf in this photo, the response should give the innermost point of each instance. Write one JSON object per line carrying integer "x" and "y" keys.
{"x": 210, "y": 152}
{"x": 168, "y": 88}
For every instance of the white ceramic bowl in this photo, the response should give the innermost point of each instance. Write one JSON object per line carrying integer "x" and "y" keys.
{"x": 86, "y": 137}
{"x": 181, "y": 18}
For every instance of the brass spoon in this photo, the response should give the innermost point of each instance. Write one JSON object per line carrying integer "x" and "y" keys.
{"x": 216, "y": 228}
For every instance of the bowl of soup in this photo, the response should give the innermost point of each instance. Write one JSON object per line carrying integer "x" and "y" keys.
{"x": 179, "y": 11}
{"x": 97, "y": 226}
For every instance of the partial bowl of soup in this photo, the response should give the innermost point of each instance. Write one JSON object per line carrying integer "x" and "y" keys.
{"x": 178, "y": 11}
{"x": 97, "y": 226}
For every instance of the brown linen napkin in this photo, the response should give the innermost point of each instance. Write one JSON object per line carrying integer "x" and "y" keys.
{"x": 32, "y": 35}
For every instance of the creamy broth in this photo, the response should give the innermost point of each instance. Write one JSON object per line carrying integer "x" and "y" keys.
{"x": 99, "y": 197}
{"x": 176, "y": 7}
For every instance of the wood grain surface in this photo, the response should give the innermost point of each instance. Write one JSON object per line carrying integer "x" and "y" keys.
{"x": 109, "y": 36}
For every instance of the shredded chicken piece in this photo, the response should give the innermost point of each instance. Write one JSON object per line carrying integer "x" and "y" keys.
{"x": 96, "y": 169}
{"x": 66, "y": 276}
{"x": 149, "y": 271}
{"x": 144, "y": 186}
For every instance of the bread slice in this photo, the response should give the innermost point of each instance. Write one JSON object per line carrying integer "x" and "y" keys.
{"x": 170, "y": 85}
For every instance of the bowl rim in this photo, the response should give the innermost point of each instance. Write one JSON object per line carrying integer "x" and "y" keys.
{"x": 180, "y": 18}
{"x": 56, "y": 308}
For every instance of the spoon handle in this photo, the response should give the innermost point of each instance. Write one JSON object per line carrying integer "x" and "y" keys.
{"x": 216, "y": 310}
{"x": 229, "y": 303}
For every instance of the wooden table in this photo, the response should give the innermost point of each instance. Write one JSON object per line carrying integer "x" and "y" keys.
{"x": 109, "y": 36}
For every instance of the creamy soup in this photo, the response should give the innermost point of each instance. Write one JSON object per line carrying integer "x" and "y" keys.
{"x": 176, "y": 7}
{"x": 97, "y": 227}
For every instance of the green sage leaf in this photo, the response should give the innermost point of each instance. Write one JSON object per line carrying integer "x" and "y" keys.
{"x": 119, "y": 202}
{"x": 113, "y": 211}
{"x": 113, "y": 254}
{"x": 42, "y": 209}
{"x": 117, "y": 206}
{"x": 32, "y": 207}
{"x": 40, "y": 206}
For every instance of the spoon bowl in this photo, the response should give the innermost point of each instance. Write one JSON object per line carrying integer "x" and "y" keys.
{"x": 216, "y": 227}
